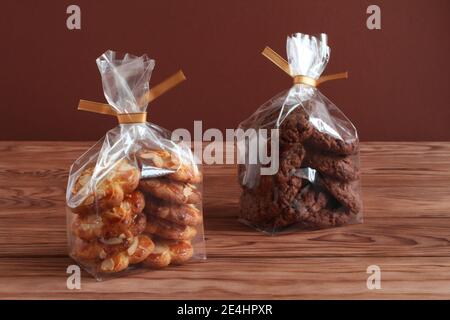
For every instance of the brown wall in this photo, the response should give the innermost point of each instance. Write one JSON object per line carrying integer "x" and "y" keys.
{"x": 399, "y": 76}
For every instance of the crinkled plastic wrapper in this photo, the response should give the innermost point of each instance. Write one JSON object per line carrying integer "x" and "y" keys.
{"x": 317, "y": 184}
{"x": 134, "y": 199}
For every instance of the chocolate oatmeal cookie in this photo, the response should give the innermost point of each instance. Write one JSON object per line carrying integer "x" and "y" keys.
{"x": 341, "y": 168}
{"x": 346, "y": 193}
{"x": 268, "y": 203}
{"x": 288, "y": 182}
{"x": 295, "y": 128}
{"x": 258, "y": 208}
{"x": 323, "y": 142}
{"x": 316, "y": 209}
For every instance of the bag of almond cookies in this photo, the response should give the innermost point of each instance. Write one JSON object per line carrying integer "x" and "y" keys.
{"x": 317, "y": 184}
{"x": 134, "y": 199}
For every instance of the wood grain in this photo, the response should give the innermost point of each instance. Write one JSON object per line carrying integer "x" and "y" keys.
{"x": 406, "y": 192}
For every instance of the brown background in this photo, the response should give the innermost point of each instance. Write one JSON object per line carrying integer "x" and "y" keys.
{"x": 399, "y": 76}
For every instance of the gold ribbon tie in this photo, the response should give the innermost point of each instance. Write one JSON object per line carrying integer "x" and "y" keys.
{"x": 281, "y": 63}
{"x": 139, "y": 117}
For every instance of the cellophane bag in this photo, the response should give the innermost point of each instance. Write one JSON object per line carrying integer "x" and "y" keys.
{"x": 317, "y": 184}
{"x": 134, "y": 199}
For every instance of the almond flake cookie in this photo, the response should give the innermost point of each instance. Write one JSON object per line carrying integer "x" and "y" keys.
{"x": 169, "y": 252}
{"x": 132, "y": 204}
{"x": 123, "y": 178}
{"x": 174, "y": 192}
{"x": 183, "y": 171}
{"x": 113, "y": 258}
{"x": 188, "y": 215}
{"x": 94, "y": 226}
{"x": 96, "y": 250}
{"x": 169, "y": 230}
{"x": 140, "y": 249}
{"x": 116, "y": 263}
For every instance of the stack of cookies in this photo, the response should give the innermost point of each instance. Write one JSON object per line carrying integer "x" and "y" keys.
{"x": 143, "y": 212}
{"x": 172, "y": 205}
{"x": 106, "y": 230}
{"x": 317, "y": 184}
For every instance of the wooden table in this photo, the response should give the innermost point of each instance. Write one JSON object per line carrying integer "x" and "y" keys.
{"x": 406, "y": 191}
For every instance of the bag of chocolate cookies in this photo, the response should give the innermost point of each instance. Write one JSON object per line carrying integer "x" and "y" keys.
{"x": 317, "y": 184}
{"x": 134, "y": 199}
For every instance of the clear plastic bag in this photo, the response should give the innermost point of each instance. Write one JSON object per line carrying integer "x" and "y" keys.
{"x": 134, "y": 199}
{"x": 317, "y": 184}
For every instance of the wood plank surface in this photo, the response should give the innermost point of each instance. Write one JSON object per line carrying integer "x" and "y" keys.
{"x": 406, "y": 232}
